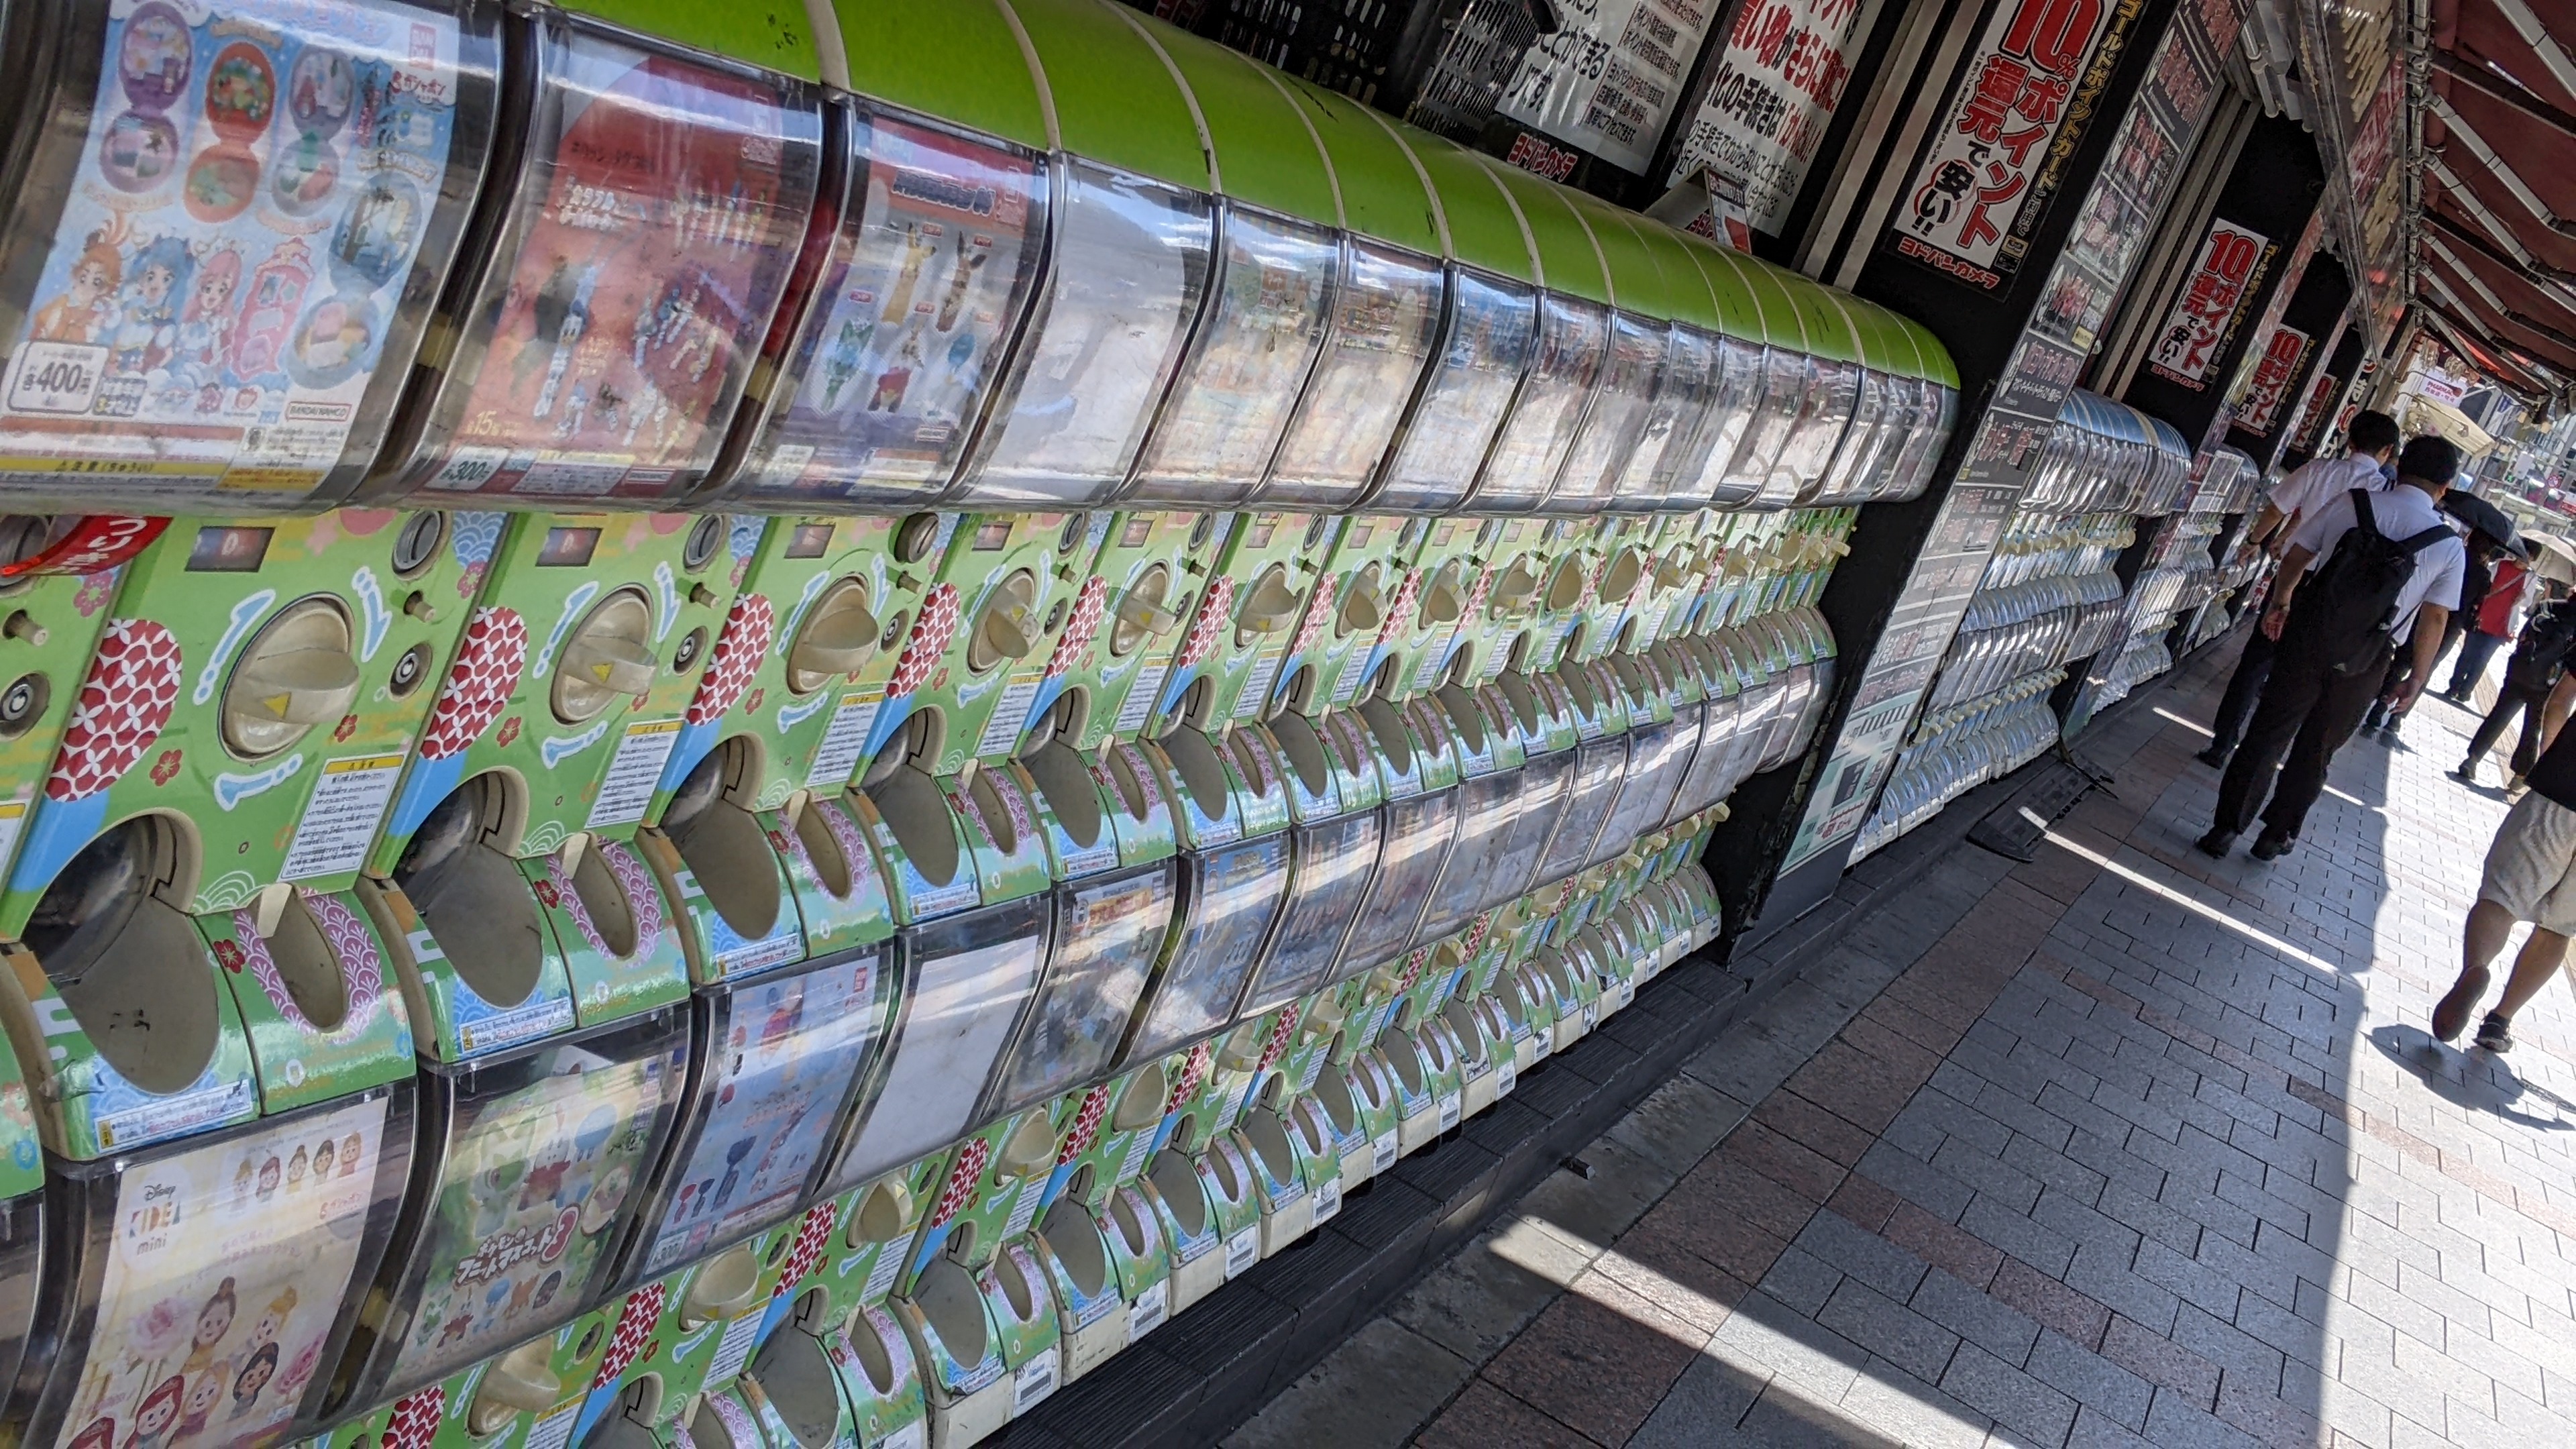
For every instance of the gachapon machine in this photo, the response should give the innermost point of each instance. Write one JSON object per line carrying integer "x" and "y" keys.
{"x": 1390, "y": 294}
{"x": 1833, "y": 394}
{"x": 1418, "y": 775}
{"x": 1669, "y": 451}
{"x": 1487, "y": 340}
{"x": 1131, "y": 257}
{"x": 688, "y": 1334}
{"x": 1879, "y": 419}
{"x": 749, "y": 831}
{"x": 1638, "y": 369}
{"x": 1698, "y": 470}
{"x": 202, "y": 1291}
{"x": 1773, "y": 348}
{"x": 1335, "y": 831}
{"x": 1235, "y": 876}
{"x": 623, "y": 268}
{"x": 1568, "y": 362}
{"x": 231, "y": 758}
{"x": 227, "y": 222}
{"x": 1250, "y": 618}
{"x": 59, "y": 576}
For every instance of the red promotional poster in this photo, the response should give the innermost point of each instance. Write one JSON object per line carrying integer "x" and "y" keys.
{"x": 1984, "y": 181}
{"x": 620, "y": 321}
{"x": 2274, "y": 375}
{"x": 2231, "y": 259}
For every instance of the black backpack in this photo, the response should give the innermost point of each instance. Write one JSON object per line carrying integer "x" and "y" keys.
{"x": 2351, "y": 603}
{"x": 2542, "y": 650}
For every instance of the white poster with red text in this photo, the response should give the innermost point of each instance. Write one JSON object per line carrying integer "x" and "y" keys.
{"x": 2197, "y": 327}
{"x": 1771, "y": 94}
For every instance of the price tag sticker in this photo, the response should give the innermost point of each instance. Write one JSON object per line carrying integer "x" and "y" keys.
{"x": 1382, "y": 1152}
{"x": 1148, "y": 1311}
{"x": 1242, "y": 1251}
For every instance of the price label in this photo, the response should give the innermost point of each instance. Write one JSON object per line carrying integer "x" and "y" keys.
{"x": 1242, "y": 1251}
{"x": 1139, "y": 704}
{"x": 1256, "y": 686}
{"x": 1449, "y": 1105}
{"x": 633, "y": 772}
{"x": 1148, "y": 1311}
{"x": 843, "y": 739}
{"x": 1002, "y": 731}
{"x": 1328, "y": 1200}
{"x": 1382, "y": 1152}
{"x": 470, "y": 468}
{"x": 57, "y": 377}
{"x": 1035, "y": 1380}
{"x": 734, "y": 1349}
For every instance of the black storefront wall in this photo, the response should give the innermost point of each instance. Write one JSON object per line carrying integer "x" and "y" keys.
{"x": 2290, "y": 357}
{"x": 2325, "y": 397}
{"x": 2239, "y": 262}
{"x": 2018, "y": 333}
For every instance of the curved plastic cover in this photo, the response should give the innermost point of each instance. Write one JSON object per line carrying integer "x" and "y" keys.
{"x": 1419, "y": 832}
{"x": 1630, "y": 380}
{"x": 1386, "y": 317}
{"x": 1130, "y": 261}
{"x": 205, "y": 271}
{"x": 1230, "y": 898}
{"x": 1542, "y": 791}
{"x": 968, "y": 979}
{"x": 926, "y": 283}
{"x": 254, "y": 1239}
{"x": 1573, "y": 338}
{"x": 1735, "y": 394}
{"x": 1334, "y": 863}
{"x": 1834, "y": 392}
{"x": 1656, "y": 470}
{"x": 1107, "y": 936}
{"x": 1264, "y": 325}
{"x": 1598, "y": 767}
{"x": 1487, "y": 807}
{"x": 544, "y": 1163}
{"x": 632, "y": 279}
{"x": 1492, "y": 329}
{"x": 781, "y": 1058}
{"x": 1657, "y": 755}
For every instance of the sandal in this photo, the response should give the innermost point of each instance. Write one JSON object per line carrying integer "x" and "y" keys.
{"x": 2495, "y": 1034}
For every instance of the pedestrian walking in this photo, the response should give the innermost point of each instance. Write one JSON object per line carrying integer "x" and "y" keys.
{"x": 2387, "y": 715}
{"x": 2367, "y": 570}
{"x": 2538, "y": 661}
{"x": 2530, "y": 876}
{"x": 2371, "y": 448}
{"x": 2499, "y": 619}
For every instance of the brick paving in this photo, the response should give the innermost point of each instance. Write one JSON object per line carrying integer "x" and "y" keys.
{"x": 2117, "y": 1146}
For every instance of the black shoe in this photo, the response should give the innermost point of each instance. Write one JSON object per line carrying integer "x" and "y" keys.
{"x": 2451, "y": 1013}
{"x": 2467, "y": 773}
{"x": 2495, "y": 1034}
{"x": 2272, "y": 845}
{"x": 2216, "y": 843}
{"x": 2214, "y": 757}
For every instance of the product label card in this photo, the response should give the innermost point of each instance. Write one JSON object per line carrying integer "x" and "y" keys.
{"x": 843, "y": 740}
{"x": 627, "y": 788}
{"x": 340, "y": 819}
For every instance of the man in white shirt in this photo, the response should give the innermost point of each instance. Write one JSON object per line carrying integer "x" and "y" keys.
{"x": 2371, "y": 445}
{"x": 2320, "y": 687}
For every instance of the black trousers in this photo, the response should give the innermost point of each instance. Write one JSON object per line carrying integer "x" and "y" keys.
{"x": 2307, "y": 713}
{"x": 2492, "y": 728}
{"x": 2244, "y": 688}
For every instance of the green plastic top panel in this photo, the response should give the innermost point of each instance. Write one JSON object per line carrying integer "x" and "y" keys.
{"x": 1635, "y": 274}
{"x": 1383, "y": 195}
{"x": 776, "y": 36}
{"x": 1936, "y": 358}
{"x": 1686, "y": 288}
{"x": 1484, "y": 225}
{"x": 981, "y": 79}
{"x": 1738, "y": 314}
{"x": 1869, "y": 343}
{"x": 1564, "y": 244}
{"x": 1829, "y": 332}
{"x": 1265, "y": 155}
{"x": 1894, "y": 345}
{"x": 1116, "y": 102}
{"x": 1781, "y": 324}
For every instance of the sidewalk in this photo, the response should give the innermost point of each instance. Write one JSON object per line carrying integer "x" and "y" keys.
{"x": 2118, "y": 1146}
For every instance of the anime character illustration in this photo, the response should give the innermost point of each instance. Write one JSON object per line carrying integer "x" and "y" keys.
{"x": 154, "y": 1416}
{"x": 206, "y": 326}
{"x": 322, "y": 1156}
{"x": 918, "y": 250}
{"x": 841, "y": 359}
{"x": 99, "y": 1433}
{"x": 84, "y": 309}
{"x": 253, "y": 1377}
{"x": 562, "y": 315}
{"x": 269, "y": 1173}
{"x": 961, "y": 275}
{"x": 147, "y": 327}
{"x": 351, "y": 1148}
{"x": 203, "y": 1394}
{"x": 295, "y": 1167}
{"x": 895, "y": 381}
{"x": 214, "y": 1320}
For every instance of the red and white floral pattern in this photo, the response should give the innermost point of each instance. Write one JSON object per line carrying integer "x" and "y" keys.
{"x": 479, "y": 684}
{"x": 740, "y": 651}
{"x": 634, "y": 1330}
{"x": 1399, "y": 610}
{"x": 123, "y": 706}
{"x": 1279, "y": 1035}
{"x": 1209, "y": 627}
{"x": 931, "y": 630}
{"x": 1082, "y": 628}
{"x": 959, "y": 1194}
{"x": 415, "y": 1419}
{"x": 1086, "y": 1125}
{"x": 813, "y": 1235}
{"x": 1194, "y": 1074}
{"x": 1319, "y": 612}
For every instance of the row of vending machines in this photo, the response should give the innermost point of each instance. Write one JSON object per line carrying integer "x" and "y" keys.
{"x": 769, "y": 726}
{"x": 2063, "y": 587}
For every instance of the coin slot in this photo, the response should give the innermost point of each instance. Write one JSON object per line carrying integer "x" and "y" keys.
{"x": 607, "y": 658}
{"x": 795, "y": 1375}
{"x": 295, "y": 673}
{"x": 722, "y": 844}
{"x": 883, "y": 1213}
{"x": 128, "y": 964}
{"x": 838, "y": 636}
{"x": 469, "y": 891}
{"x": 1005, "y": 626}
{"x": 914, "y": 537}
{"x": 705, "y": 537}
{"x": 416, "y": 545}
{"x": 1141, "y": 1105}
